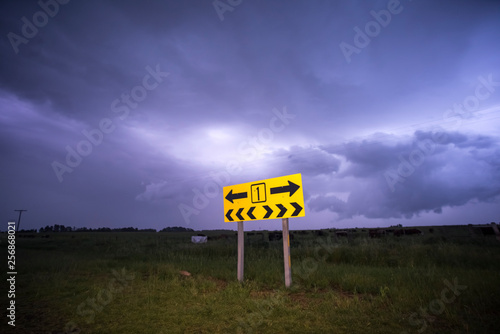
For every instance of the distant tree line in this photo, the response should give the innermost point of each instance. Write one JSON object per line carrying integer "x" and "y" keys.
{"x": 62, "y": 228}
{"x": 27, "y": 231}
{"x": 56, "y": 228}
{"x": 177, "y": 229}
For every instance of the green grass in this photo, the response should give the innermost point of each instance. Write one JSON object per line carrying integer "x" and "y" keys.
{"x": 131, "y": 283}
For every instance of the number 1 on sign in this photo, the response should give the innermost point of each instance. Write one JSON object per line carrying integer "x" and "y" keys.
{"x": 258, "y": 192}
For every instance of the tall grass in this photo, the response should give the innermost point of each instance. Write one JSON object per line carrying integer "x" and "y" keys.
{"x": 342, "y": 285}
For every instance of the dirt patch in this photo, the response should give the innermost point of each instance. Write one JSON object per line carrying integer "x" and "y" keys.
{"x": 301, "y": 298}
{"x": 221, "y": 284}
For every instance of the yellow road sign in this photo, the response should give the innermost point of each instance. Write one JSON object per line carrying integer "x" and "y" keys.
{"x": 280, "y": 197}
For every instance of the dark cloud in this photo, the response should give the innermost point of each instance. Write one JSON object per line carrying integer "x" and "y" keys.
{"x": 79, "y": 84}
{"x": 305, "y": 160}
{"x": 367, "y": 157}
{"x": 404, "y": 180}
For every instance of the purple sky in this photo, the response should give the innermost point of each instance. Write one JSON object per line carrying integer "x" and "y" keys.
{"x": 136, "y": 113}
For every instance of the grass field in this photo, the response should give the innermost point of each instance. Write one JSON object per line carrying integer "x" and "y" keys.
{"x": 130, "y": 282}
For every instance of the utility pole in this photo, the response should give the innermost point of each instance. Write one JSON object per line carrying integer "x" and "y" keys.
{"x": 19, "y": 219}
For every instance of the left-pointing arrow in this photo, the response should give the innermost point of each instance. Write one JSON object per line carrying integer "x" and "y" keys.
{"x": 228, "y": 215}
{"x": 250, "y": 213}
{"x": 238, "y": 214}
{"x": 230, "y": 197}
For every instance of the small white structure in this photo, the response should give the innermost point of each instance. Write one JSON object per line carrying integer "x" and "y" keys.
{"x": 198, "y": 239}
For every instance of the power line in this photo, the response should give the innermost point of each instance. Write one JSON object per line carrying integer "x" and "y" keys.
{"x": 19, "y": 219}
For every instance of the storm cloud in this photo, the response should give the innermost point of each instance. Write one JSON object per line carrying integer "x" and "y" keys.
{"x": 402, "y": 178}
{"x": 128, "y": 113}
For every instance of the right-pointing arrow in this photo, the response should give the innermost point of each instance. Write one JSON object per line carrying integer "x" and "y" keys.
{"x": 228, "y": 215}
{"x": 283, "y": 210}
{"x": 297, "y": 207}
{"x": 290, "y": 188}
{"x": 269, "y": 211}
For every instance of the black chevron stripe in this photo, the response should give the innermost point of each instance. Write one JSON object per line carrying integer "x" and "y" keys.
{"x": 269, "y": 211}
{"x": 250, "y": 213}
{"x": 238, "y": 214}
{"x": 228, "y": 215}
{"x": 283, "y": 210}
{"x": 297, "y": 207}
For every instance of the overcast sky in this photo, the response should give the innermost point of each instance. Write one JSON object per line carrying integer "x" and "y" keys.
{"x": 136, "y": 113}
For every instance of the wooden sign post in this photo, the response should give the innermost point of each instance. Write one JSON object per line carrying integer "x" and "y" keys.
{"x": 241, "y": 251}
{"x": 280, "y": 197}
{"x": 286, "y": 253}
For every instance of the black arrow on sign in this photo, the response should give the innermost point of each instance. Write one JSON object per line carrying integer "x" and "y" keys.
{"x": 250, "y": 213}
{"x": 230, "y": 197}
{"x": 269, "y": 211}
{"x": 283, "y": 210}
{"x": 291, "y": 188}
{"x": 297, "y": 207}
{"x": 228, "y": 215}
{"x": 238, "y": 214}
